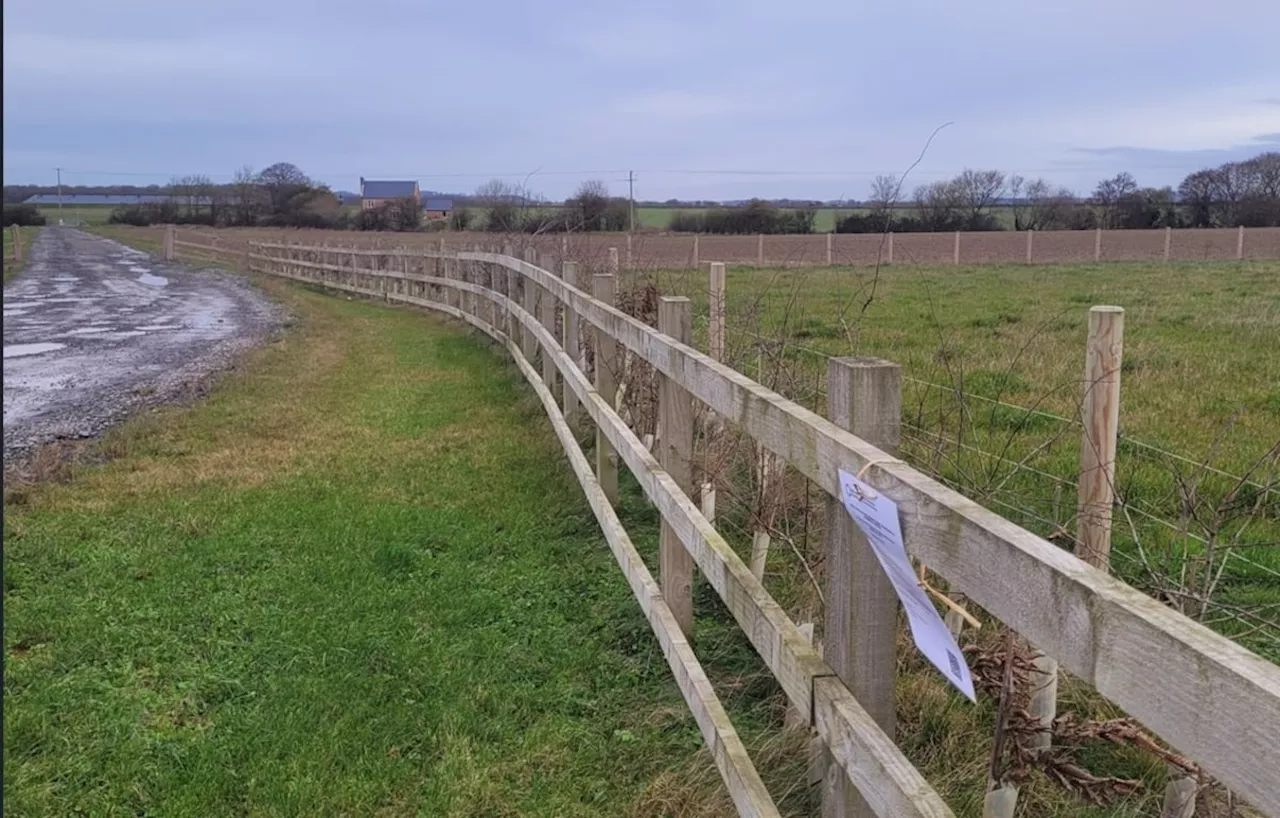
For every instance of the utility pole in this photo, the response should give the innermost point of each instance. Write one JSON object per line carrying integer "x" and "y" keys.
{"x": 631, "y": 194}
{"x": 59, "y": 170}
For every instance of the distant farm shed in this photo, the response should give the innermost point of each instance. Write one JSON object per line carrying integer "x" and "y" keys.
{"x": 374, "y": 194}
{"x": 437, "y": 208}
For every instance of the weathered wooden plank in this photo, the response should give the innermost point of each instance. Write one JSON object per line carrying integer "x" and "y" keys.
{"x": 787, "y": 652}
{"x": 1217, "y": 702}
{"x": 603, "y": 287}
{"x": 572, "y": 343}
{"x": 864, "y": 395}
{"x": 736, "y": 769}
{"x": 675, "y": 410}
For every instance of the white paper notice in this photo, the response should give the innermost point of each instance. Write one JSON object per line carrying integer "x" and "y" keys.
{"x": 877, "y": 516}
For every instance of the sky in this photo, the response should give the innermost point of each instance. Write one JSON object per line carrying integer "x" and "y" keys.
{"x": 708, "y": 99}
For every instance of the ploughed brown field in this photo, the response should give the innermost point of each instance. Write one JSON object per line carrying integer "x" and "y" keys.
{"x": 683, "y": 251}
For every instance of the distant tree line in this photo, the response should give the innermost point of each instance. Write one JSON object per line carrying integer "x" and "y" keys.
{"x": 1234, "y": 194}
{"x": 756, "y": 216}
{"x": 1237, "y": 193}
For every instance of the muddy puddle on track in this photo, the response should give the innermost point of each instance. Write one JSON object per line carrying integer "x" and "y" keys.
{"x": 92, "y": 328}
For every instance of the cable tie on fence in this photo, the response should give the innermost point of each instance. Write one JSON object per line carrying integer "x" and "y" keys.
{"x": 882, "y": 461}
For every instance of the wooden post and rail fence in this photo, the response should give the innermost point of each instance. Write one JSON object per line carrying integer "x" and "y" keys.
{"x": 1210, "y": 698}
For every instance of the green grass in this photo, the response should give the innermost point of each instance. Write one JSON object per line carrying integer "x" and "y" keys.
{"x": 72, "y": 214}
{"x": 13, "y": 267}
{"x": 357, "y": 580}
{"x": 1200, "y": 379}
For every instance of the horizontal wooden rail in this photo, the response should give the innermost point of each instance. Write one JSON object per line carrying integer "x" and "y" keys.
{"x": 1215, "y": 701}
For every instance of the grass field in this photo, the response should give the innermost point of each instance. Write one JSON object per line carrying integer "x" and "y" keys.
{"x": 1200, "y": 380}
{"x": 13, "y": 267}
{"x": 356, "y": 580}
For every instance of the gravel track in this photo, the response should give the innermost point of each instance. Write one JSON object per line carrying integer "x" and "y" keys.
{"x": 94, "y": 330}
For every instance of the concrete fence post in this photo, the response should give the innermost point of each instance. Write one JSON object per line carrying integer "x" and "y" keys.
{"x": 760, "y": 250}
{"x": 675, "y": 455}
{"x": 696, "y": 260}
{"x": 889, "y": 253}
{"x": 170, "y": 251}
{"x": 630, "y": 258}
{"x": 829, "y": 237}
{"x": 861, "y": 625}
{"x": 955, "y": 253}
{"x": 1240, "y": 243}
{"x": 1168, "y": 243}
{"x": 606, "y": 350}
{"x": 1097, "y": 244}
{"x": 1031, "y": 235}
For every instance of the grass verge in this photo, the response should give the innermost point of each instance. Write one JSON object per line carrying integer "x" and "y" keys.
{"x": 353, "y": 581}
{"x": 14, "y": 266}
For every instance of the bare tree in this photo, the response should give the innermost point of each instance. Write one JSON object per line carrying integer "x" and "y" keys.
{"x": 885, "y": 190}
{"x": 939, "y": 205}
{"x": 1108, "y": 195}
{"x": 978, "y": 190}
{"x": 282, "y": 182}
{"x": 247, "y": 195}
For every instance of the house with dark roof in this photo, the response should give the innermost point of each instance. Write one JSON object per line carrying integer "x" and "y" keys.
{"x": 374, "y": 194}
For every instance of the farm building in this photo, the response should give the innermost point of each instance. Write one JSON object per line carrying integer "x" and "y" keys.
{"x": 437, "y": 208}
{"x": 375, "y": 194}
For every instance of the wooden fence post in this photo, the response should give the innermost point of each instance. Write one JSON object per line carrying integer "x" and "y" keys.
{"x": 1100, "y": 414}
{"x": 675, "y": 454}
{"x": 1097, "y": 244}
{"x": 170, "y": 252}
{"x": 696, "y": 262}
{"x": 1100, "y": 418}
{"x": 611, "y": 266}
{"x": 547, "y": 309}
{"x": 1030, "y": 238}
{"x": 760, "y": 250}
{"x": 1240, "y": 243}
{"x": 861, "y": 625}
{"x": 889, "y": 255}
{"x": 955, "y": 253}
{"x": 606, "y": 349}
{"x": 530, "y": 346}
{"x": 829, "y": 235}
{"x": 715, "y": 310}
{"x": 630, "y": 261}
{"x": 17, "y": 242}
{"x": 1168, "y": 242}
{"x": 572, "y": 345}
